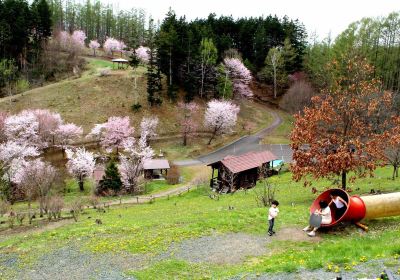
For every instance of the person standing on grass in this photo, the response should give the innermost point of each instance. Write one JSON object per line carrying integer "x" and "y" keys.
{"x": 272, "y": 214}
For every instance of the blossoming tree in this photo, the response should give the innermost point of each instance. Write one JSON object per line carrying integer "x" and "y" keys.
{"x": 220, "y": 117}
{"x": 80, "y": 164}
{"x": 94, "y": 45}
{"x": 187, "y": 120}
{"x": 240, "y": 76}
{"x": 132, "y": 160}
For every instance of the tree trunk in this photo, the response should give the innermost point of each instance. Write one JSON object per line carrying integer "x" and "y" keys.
{"x": 81, "y": 186}
{"x": 344, "y": 173}
{"x": 184, "y": 139}
{"x": 395, "y": 172}
{"x": 212, "y": 137}
{"x": 274, "y": 82}
{"x": 170, "y": 66}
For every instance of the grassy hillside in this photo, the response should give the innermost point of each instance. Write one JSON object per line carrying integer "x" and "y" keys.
{"x": 91, "y": 99}
{"x": 148, "y": 237}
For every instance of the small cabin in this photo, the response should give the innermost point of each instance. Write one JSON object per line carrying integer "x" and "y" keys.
{"x": 241, "y": 172}
{"x": 155, "y": 168}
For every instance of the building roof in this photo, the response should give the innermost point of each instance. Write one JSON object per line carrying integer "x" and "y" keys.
{"x": 119, "y": 60}
{"x": 247, "y": 161}
{"x": 156, "y": 164}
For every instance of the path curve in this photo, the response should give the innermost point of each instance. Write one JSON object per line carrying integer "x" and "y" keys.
{"x": 243, "y": 145}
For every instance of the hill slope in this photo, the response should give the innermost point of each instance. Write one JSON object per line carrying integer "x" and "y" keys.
{"x": 91, "y": 99}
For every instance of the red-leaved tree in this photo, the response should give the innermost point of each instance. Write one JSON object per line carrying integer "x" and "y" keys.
{"x": 336, "y": 134}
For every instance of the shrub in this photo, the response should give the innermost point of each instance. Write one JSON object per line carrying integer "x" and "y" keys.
{"x": 20, "y": 218}
{"x": 4, "y": 207}
{"x": 94, "y": 201}
{"x": 297, "y": 97}
{"x": 11, "y": 219}
{"x": 267, "y": 194}
{"x": 22, "y": 85}
{"x": 105, "y": 72}
{"x": 136, "y": 107}
{"x": 55, "y": 205}
{"x": 76, "y": 208}
{"x": 173, "y": 175}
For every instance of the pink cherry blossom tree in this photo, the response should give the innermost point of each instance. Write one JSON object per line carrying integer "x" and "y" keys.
{"x": 94, "y": 45}
{"x": 148, "y": 127}
{"x": 35, "y": 179}
{"x": 64, "y": 39}
{"x": 240, "y": 76}
{"x": 143, "y": 54}
{"x": 113, "y": 133}
{"x": 78, "y": 39}
{"x": 22, "y": 128}
{"x": 66, "y": 134}
{"x": 132, "y": 160}
{"x": 80, "y": 164}
{"x": 49, "y": 122}
{"x": 220, "y": 117}
{"x": 112, "y": 45}
{"x": 187, "y": 121}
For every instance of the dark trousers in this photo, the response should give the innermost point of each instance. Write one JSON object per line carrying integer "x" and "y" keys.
{"x": 271, "y": 225}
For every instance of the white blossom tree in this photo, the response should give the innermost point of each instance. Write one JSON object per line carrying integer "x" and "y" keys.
{"x": 80, "y": 164}
{"x": 240, "y": 76}
{"x": 13, "y": 156}
{"x": 22, "y": 128}
{"x": 132, "y": 160}
{"x": 35, "y": 178}
{"x": 148, "y": 127}
{"x": 220, "y": 117}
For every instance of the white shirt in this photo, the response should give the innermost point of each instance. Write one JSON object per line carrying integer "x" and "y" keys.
{"x": 326, "y": 216}
{"x": 272, "y": 213}
{"x": 339, "y": 204}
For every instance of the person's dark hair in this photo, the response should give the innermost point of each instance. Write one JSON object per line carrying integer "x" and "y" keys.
{"x": 335, "y": 193}
{"x": 323, "y": 204}
{"x": 275, "y": 202}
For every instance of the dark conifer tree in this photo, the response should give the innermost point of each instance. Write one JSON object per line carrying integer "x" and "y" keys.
{"x": 111, "y": 179}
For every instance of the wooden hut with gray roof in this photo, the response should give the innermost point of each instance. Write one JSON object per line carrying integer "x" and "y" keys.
{"x": 241, "y": 172}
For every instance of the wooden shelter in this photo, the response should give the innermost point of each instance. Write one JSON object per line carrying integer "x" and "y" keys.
{"x": 236, "y": 172}
{"x": 155, "y": 168}
{"x": 120, "y": 63}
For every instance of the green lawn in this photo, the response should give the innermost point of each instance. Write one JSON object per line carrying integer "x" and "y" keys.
{"x": 151, "y": 228}
{"x": 281, "y": 135}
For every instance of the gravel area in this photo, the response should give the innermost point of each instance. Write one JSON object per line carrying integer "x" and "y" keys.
{"x": 71, "y": 263}
{"x": 219, "y": 249}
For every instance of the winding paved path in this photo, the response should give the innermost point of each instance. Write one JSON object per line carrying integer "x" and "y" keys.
{"x": 245, "y": 144}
